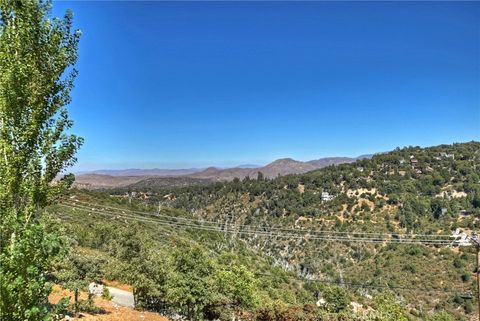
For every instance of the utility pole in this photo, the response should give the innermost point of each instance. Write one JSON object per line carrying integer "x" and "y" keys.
{"x": 477, "y": 246}
{"x": 476, "y": 242}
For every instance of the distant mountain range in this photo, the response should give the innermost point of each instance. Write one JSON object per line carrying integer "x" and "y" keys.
{"x": 126, "y": 177}
{"x": 143, "y": 172}
{"x": 282, "y": 166}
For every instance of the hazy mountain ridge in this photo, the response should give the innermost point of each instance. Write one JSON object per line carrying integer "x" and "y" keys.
{"x": 155, "y": 176}
{"x": 143, "y": 172}
{"x": 282, "y": 166}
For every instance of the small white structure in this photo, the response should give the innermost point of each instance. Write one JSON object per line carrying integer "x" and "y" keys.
{"x": 326, "y": 196}
{"x": 321, "y": 302}
{"x": 95, "y": 288}
{"x": 446, "y": 155}
{"x": 461, "y": 238}
{"x": 356, "y": 307}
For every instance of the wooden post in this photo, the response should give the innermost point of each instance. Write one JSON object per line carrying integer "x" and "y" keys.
{"x": 478, "y": 278}
{"x": 76, "y": 300}
{"x": 476, "y": 243}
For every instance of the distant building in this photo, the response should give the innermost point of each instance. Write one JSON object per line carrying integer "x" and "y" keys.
{"x": 446, "y": 155}
{"x": 326, "y": 196}
{"x": 169, "y": 197}
{"x": 461, "y": 238}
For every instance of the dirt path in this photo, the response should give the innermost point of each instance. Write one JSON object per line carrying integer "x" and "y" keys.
{"x": 111, "y": 311}
{"x": 121, "y": 297}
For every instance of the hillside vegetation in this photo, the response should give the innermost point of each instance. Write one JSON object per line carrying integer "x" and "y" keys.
{"x": 200, "y": 272}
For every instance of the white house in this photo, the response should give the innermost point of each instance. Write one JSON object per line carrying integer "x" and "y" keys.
{"x": 446, "y": 155}
{"x": 326, "y": 196}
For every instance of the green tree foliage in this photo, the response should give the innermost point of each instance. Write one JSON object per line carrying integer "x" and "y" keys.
{"x": 238, "y": 285}
{"x": 78, "y": 269}
{"x": 189, "y": 283}
{"x": 37, "y": 55}
{"x": 260, "y": 176}
{"x": 387, "y": 308}
{"x": 441, "y": 316}
{"x": 337, "y": 299}
{"x": 138, "y": 264}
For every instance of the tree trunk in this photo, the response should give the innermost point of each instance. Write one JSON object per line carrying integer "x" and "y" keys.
{"x": 76, "y": 300}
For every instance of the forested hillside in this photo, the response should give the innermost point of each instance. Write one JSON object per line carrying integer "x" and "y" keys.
{"x": 333, "y": 243}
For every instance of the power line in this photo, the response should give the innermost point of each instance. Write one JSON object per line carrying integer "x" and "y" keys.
{"x": 199, "y": 226}
{"x": 272, "y": 228}
{"x": 195, "y": 224}
{"x": 344, "y": 283}
{"x": 264, "y": 233}
{"x": 165, "y": 232}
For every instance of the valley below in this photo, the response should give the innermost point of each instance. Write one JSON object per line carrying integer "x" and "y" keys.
{"x": 352, "y": 241}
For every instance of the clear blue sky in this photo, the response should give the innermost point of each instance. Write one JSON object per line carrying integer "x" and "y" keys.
{"x": 184, "y": 84}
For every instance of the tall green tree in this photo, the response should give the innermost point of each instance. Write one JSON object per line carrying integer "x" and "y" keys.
{"x": 237, "y": 285}
{"x": 387, "y": 309}
{"x": 37, "y": 57}
{"x": 189, "y": 284}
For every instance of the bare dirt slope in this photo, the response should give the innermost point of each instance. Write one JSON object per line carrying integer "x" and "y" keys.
{"x": 111, "y": 311}
{"x": 105, "y": 181}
